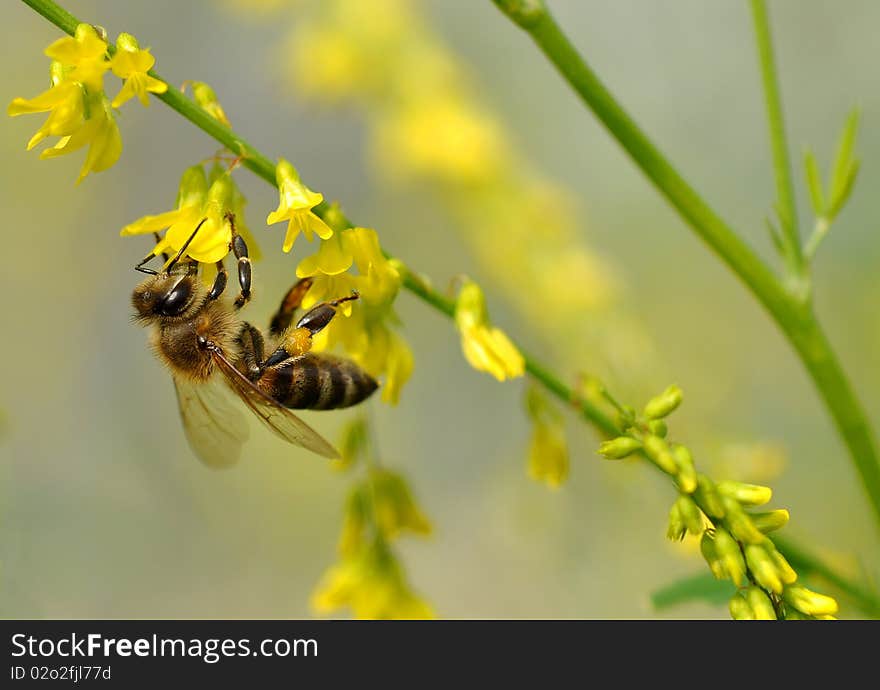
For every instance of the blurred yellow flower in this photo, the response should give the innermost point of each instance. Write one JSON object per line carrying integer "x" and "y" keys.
{"x": 295, "y": 206}
{"x": 485, "y": 347}
{"x": 195, "y": 201}
{"x": 548, "y": 454}
{"x": 132, "y": 64}
{"x": 372, "y": 584}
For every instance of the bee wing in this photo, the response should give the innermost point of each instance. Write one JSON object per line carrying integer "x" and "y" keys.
{"x": 214, "y": 427}
{"x": 272, "y": 413}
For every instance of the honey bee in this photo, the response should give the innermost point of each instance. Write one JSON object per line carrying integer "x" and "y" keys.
{"x": 208, "y": 348}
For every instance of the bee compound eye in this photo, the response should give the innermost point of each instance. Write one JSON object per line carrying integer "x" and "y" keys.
{"x": 176, "y": 300}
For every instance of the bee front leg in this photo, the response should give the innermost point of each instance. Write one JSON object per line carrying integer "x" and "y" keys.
{"x": 219, "y": 282}
{"x": 239, "y": 248}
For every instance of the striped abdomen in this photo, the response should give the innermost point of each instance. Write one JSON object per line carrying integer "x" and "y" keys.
{"x": 317, "y": 381}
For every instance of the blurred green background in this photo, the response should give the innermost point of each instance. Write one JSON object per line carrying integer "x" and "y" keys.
{"x": 107, "y": 514}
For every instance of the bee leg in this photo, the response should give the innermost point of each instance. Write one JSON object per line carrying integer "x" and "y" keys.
{"x": 239, "y": 248}
{"x": 296, "y": 341}
{"x": 291, "y": 302}
{"x": 219, "y": 282}
{"x": 250, "y": 342}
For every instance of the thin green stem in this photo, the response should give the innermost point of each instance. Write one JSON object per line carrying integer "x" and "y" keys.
{"x": 786, "y": 209}
{"x": 791, "y": 311}
{"x": 265, "y": 168}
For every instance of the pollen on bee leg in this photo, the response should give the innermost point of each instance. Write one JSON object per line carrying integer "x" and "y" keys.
{"x": 297, "y": 341}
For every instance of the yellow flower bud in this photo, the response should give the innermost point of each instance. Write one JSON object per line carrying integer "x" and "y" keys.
{"x": 708, "y": 498}
{"x": 664, "y": 403}
{"x": 795, "y": 615}
{"x": 740, "y": 523}
{"x": 658, "y": 451}
{"x": 676, "y": 528}
{"x": 740, "y": 609}
{"x": 485, "y": 347}
{"x": 691, "y": 515}
{"x": 687, "y": 473}
{"x": 710, "y": 553}
{"x": 786, "y": 572}
{"x": 771, "y": 520}
{"x": 746, "y": 494}
{"x": 620, "y": 447}
{"x": 205, "y": 96}
{"x": 809, "y": 602}
{"x": 763, "y": 568}
{"x": 730, "y": 554}
{"x": 760, "y": 604}
{"x": 658, "y": 428}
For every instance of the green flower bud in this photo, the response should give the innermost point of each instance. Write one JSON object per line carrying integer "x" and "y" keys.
{"x": 731, "y": 556}
{"x": 809, "y": 602}
{"x": 740, "y": 609}
{"x": 127, "y": 42}
{"x": 193, "y": 187}
{"x": 760, "y": 604}
{"x": 676, "y": 529}
{"x": 664, "y": 403}
{"x": 763, "y": 568}
{"x": 658, "y": 428}
{"x": 747, "y": 494}
{"x": 708, "y": 498}
{"x": 620, "y": 447}
{"x": 691, "y": 515}
{"x": 740, "y": 523}
{"x": 792, "y": 614}
{"x": 658, "y": 451}
{"x": 771, "y": 520}
{"x": 626, "y": 417}
{"x": 687, "y": 473}
{"x": 710, "y": 553}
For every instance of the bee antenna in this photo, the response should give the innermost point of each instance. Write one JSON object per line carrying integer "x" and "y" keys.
{"x": 186, "y": 244}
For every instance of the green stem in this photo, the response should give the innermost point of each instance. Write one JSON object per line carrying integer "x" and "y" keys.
{"x": 265, "y": 168}
{"x": 787, "y": 209}
{"x": 791, "y": 311}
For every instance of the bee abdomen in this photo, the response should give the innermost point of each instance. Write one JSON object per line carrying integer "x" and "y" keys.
{"x": 317, "y": 382}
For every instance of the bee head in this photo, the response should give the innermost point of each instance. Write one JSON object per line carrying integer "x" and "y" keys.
{"x": 166, "y": 295}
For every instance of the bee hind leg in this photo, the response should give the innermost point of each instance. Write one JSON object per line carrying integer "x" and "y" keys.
{"x": 252, "y": 348}
{"x": 291, "y": 302}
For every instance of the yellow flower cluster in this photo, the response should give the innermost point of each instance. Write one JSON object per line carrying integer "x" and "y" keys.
{"x": 734, "y": 542}
{"x": 79, "y": 111}
{"x": 369, "y": 578}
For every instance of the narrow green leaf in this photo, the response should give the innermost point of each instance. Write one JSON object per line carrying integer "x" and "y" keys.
{"x": 774, "y": 236}
{"x": 814, "y": 183}
{"x": 700, "y": 587}
{"x": 838, "y": 201}
{"x": 843, "y": 161}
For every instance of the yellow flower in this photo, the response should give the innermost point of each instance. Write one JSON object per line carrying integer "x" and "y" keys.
{"x": 548, "y": 455}
{"x": 295, "y": 206}
{"x": 372, "y": 584}
{"x": 195, "y": 201}
{"x": 132, "y": 64}
{"x": 65, "y": 103}
{"x": 330, "y": 259}
{"x": 99, "y": 132}
{"x": 83, "y": 55}
{"x": 485, "y": 347}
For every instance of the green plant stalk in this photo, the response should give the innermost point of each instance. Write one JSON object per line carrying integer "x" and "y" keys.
{"x": 792, "y": 313}
{"x": 263, "y": 167}
{"x": 793, "y": 253}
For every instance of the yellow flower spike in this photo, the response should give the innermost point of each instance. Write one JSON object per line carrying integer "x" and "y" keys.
{"x": 100, "y": 133}
{"x": 747, "y": 494}
{"x": 730, "y": 554}
{"x": 132, "y": 64}
{"x": 771, "y": 520}
{"x": 763, "y": 568}
{"x": 548, "y": 454}
{"x": 710, "y": 553}
{"x": 295, "y": 206}
{"x": 485, "y": 347}
{"x": 740, "y": 609}
{"x": 809, "y": 602}
{"x": 686, "y": 477}
{"x": 658, "y": 452}
{"x": 65, "y": 103}
{"x": 691, "y": 515}
{"x": 206, "y": 98}
{"x": 84, "y": 53}
{"x": 760, "y": 604}
{"x": 620, "y": 447}
{"x": 707, "y": 496}
{"x": 330, "y": 259}
{"x": 664, "y": 404}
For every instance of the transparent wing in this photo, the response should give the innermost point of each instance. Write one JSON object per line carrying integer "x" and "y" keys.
{"x": 214, "y": 428}
{"x": 272, "y": 413}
